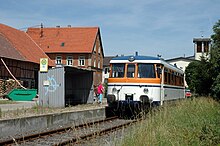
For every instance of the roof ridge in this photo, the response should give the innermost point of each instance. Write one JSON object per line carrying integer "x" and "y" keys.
{"x": 66, "y": 27}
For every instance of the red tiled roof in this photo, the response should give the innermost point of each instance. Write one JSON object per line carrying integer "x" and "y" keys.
{"x": 20, "y": 46}
{"x": 65, "y": 40}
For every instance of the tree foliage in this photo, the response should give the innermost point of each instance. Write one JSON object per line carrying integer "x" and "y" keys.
{"x": 198, "y": 77}
{"x": 216, "y": 88}
{"x": 215, "y": 61}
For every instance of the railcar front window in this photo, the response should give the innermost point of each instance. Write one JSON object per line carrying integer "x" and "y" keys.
{"x": 118, "y": 70}
{"x": 130, "y": 70}
{"x": 146, "y": 71}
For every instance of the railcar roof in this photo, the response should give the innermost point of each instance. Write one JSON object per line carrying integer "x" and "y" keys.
{"x": 136, "y": 58}
{"x": 146, "y": 59}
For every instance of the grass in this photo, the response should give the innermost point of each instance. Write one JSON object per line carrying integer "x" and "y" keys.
{"x": 194, "y": 122}
{"x": 7, "y": 102}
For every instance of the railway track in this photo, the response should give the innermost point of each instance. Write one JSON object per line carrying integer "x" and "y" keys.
{"x": 70, "y": 135}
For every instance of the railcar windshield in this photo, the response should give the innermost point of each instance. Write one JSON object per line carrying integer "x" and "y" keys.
{"x": 118, "y": 70}
{"x": 131, "y": 70}
{"x": 146, "y": 70}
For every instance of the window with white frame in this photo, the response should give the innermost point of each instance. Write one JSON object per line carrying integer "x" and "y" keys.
{"x": 99, "y": 49}
{"x": 94, "y": 49}
{"x": 69, "y": 60}
{"x": 99, "y": 65}
{"x": 94, "y": 63}
{"x": 58, "y": 60}
{"x": 81, "y": 61}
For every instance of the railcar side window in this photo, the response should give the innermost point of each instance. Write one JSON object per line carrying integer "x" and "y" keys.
{"x": 130, "y": 70}
{"x": 146, "y": 71}
{"x": 118, "y": 70}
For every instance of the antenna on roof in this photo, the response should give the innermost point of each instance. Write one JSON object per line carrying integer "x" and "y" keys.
{"x": 175, "y": 65}
{"x": 41, "y": 30}
{"x": 202, "y": 33}
{"x": 159, "y": 56}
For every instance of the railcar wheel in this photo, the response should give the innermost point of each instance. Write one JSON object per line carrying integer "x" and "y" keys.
{"x": 145, "y": 107}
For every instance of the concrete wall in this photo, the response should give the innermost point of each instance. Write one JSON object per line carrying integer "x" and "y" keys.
{"x": 44, "y": 122}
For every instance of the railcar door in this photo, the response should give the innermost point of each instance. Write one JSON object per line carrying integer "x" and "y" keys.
{"x": 160, "y": 74}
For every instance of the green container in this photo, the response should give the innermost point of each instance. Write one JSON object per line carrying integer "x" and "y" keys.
{"x": 22, "y": 94}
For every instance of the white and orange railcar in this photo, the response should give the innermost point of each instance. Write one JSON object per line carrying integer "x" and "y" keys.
{"x": 141, "y": 81}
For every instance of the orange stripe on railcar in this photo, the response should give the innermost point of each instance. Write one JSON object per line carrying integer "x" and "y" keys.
{"x": 134, "y": 80}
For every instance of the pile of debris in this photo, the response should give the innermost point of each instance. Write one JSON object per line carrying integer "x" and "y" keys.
{"x": 7, "y": 85}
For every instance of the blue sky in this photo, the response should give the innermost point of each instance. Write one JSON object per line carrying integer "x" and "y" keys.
{"x": 150, "y": 27}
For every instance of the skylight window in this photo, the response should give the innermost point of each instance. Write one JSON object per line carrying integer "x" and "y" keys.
{"x": 62, "y": 44}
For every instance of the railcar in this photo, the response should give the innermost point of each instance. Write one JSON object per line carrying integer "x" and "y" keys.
{"x": 138, "y": 82}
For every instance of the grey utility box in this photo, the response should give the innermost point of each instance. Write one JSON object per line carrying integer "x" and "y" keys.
{"x": 65, "y": 86}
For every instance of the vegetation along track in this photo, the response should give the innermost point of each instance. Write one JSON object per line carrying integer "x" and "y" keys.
{"x": 71, "y": 134}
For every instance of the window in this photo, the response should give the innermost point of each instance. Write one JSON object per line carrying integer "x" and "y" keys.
{"x": 130, "y": 70}
{"x": 118, "y": 70}
{"x": 199, "y": 46}
{"x": 174, "y": 78}
{"x": 99, "y": 49}
{"x": 165, "y": 75}
{"x": 99, "y": 64}
{"x": 106, "y": 70}
{"x": 81, "y": 61}
{"x": 94, "y": 49}
{"x": 69, "y": 60}
{"x": 169, "y": 78}
{"x": 146, "y": 71}
{"x": 62, "y": 44}
{"x": 58, "y": 60}
{"x": 206, "y": 46}
{"x": 94, "y": 63}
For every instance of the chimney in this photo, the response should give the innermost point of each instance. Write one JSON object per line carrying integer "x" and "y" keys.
{"x": 41, "y": 30}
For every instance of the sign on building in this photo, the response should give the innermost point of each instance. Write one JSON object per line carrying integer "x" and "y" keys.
{"x": 43, "y": 64}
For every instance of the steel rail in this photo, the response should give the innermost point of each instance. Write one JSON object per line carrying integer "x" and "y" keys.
{"x": 101, "y": 132}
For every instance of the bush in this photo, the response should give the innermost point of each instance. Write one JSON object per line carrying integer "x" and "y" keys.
{"x": 216, "y": 88}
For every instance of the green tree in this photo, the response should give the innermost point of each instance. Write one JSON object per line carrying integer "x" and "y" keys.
{"x": 215, "y": 60}
{"x": 216, "y": 88}
{"x": 198, "y": 77}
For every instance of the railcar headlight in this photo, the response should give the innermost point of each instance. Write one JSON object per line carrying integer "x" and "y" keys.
{"x": 114, "y": 90}
{"x": 146, "y": 90}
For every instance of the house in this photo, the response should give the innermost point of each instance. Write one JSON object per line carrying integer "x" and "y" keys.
{"x": 20, "y": 57}
{"x": 72, "y": 46}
